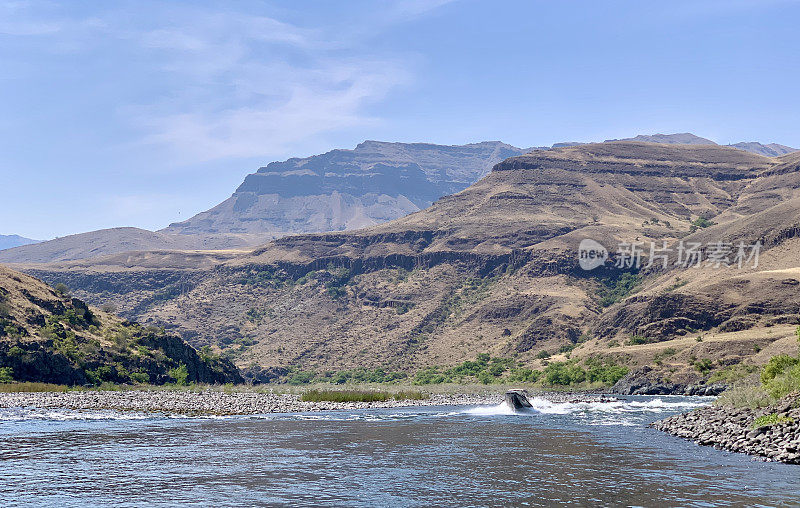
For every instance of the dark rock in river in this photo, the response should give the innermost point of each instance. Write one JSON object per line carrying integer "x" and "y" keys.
{"x": 644, "y": 381}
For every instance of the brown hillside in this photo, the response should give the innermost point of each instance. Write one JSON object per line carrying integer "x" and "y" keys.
{"x": 492, "y": 269}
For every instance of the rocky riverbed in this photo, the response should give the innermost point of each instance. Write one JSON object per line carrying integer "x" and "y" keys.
{"x": 733, "y": 429}
{"x": 235, "y": 403}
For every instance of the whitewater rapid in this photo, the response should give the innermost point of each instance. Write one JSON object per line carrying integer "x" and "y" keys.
{"x": 614, "y": 412}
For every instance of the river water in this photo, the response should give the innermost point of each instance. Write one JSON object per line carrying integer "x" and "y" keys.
{"x": 585, "y": 454}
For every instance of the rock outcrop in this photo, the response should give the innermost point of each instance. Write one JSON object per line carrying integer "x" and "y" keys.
{"x": 47, "y": 336}
{"x": 646, "y": 381}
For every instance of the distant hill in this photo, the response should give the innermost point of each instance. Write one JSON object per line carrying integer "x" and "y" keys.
{"x": 770, "y": 150}
{"x": 8, "y": 241}
{"x": 684, "y": 138}
{"x": 115, "y": 240}
{"x": 347, "y": 189}
{"x": 687, "y": 138}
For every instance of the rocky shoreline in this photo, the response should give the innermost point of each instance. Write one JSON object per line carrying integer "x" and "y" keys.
{"x": 235, "y": 403}
{"x": 733, "y": 429}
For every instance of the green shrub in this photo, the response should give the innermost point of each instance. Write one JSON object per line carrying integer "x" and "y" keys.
{"x": 6, "y": 375}
{"x": 564, "y": 374}
{"x": 358, "y": 396}
{"x": 607, "y": 374}
{"x": 524, "y": 375}
{"x": 784, "y": 383}
{"x": 702, "y": 222}
{"x": 732, "y": 373}
{"x": 567, "y": 348}
{"x": 361, "y": 376}
{"x": 704, "y": 365}
{"x": 180, "y": 374}
{"x": 597, "y": 371}
{"x": 770, "y": 419}
{"x": 617, "y": 289}
{"x": 67, "y": 345}
{"x": 637, "y": 340}
{"x": 301, "y": 378}
{"x": 61, "y": 289}
{"x": 497, "y": 369}
{"x": 99, "y": 375}
{"x": 543, "y": 355}
{"x": 429, "y": 376}
{"x": 15, "y": 351}
{"x": 777, "y": 365}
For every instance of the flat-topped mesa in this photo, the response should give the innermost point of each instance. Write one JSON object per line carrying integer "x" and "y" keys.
{"x": 643, "y": 158}
{"x": 347, "y": 189}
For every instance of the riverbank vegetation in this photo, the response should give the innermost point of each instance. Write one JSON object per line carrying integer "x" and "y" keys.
{"x": 589, "y": 373}
{"x": 592, "y": 372}
{"x": 359, "y": 396}
{"x": 779, "y": 377}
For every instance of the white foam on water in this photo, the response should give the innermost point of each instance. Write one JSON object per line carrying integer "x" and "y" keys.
{"x": 614, "y": 412}
{"x": 501, "y": 409}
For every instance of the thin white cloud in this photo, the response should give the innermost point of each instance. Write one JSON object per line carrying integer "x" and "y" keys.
{"x": 309, "y": 109}
{"x": 231, "y": 84}
{"x": 254, "y": 87}
{"x": 406, "y": 9}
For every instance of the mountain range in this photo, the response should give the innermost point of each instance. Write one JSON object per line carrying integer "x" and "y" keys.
{"x": 339, "y": 190}
{"x": 495, "y": 268}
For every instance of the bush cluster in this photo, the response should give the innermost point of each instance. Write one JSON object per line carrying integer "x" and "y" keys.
{"x": 595, "y": 371}
{"x": 499, "y": 370}
{"x": 484, "y": 369}
{"x": 616, "y": 289}
{"x": 358, "y": 396}
{"x": 300, "y": 377}
{"x": 779, "y": 378}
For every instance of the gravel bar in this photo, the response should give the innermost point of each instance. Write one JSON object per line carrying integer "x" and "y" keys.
{"x": 237, "y": 403}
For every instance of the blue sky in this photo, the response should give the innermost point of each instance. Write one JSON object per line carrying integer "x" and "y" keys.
{"x": 143, "y": 113}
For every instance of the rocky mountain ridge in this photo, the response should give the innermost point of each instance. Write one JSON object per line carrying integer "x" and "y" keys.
{"x": 339, "y": 190}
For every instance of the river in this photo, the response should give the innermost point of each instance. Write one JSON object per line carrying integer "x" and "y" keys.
{"x": 587, "y": 454}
